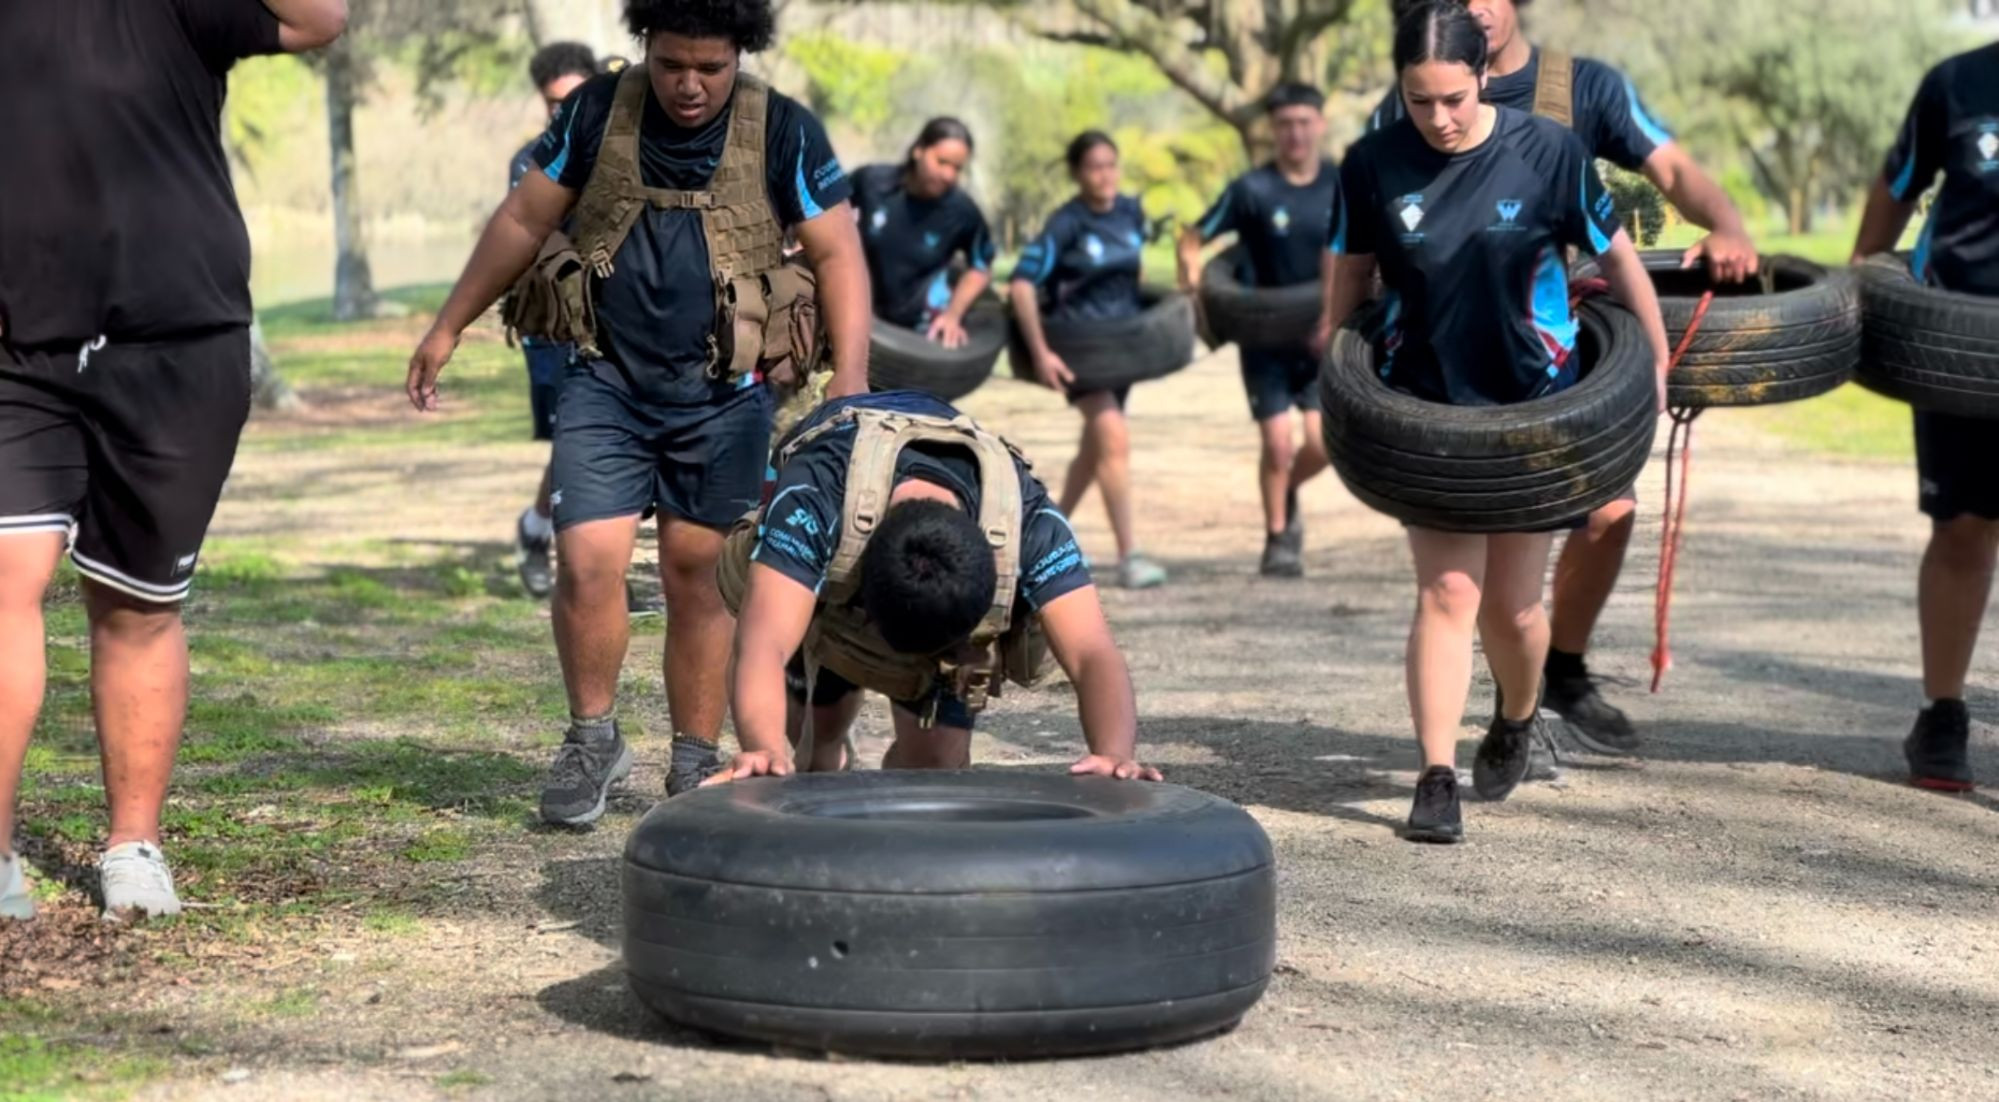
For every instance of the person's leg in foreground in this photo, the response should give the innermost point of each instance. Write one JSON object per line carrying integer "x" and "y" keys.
{"x": 27, "y": 564}
{"x": 1955, "y": 460}
{"x": 592, "y": 631}
{"x": 1585, "y": 575}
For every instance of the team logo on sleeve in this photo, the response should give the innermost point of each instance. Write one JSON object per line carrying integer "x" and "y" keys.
{"x": 1509, "y": 217}
{"x": 1987, "y": 144}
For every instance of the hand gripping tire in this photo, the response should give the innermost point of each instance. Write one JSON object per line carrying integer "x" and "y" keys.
{"x": 1934, "y": 349}
{"x": 1106, "y": 355}
{"x": 950, "y": 914}
{"x": 1528, "y": 467}
{"x": 905, "y": 359}
{"x": 1792, "y": 332}
{"x": 1256, "y": 317}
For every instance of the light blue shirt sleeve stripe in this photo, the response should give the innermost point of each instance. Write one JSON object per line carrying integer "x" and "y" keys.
{"x": 1598, "y": 243}
{"x": 1647, "y": 125}
{"x": 806, "y": 205}
{"x": 561, "y": 161}
{"x": 1907, "y": 177}
{"x": 1338, "y": 247}
{"x": 1213, "y": 225}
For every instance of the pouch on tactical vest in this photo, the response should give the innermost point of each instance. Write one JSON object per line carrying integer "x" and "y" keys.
{"x": 841, "y": 639}
{"x": 1554, "y": 88}
{"x": 766, "y": 316}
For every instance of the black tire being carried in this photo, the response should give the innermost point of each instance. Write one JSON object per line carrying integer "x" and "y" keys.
{"x": 1255, "y": 317}
{"x": 904, "y": 359}
{"x": 1934, "y": 349}
{"x": 952, "y": 914}
{"x": 1790, "y": 333}
{"x": 1519, "y": 468}
{"x": 1106, "y": 355}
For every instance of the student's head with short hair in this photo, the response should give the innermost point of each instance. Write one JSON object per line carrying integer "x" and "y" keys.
{"x": 557, "y": 68}
{"x": 693, "y": 49}
{"x": 1297, "y": 123}
{"x": 927, "y": 576}
{"x": 938, "y": 157}
{"x": 1440, "y": 64}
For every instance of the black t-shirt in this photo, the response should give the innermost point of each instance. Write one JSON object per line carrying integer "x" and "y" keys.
{"x": 657, "y": 308}
{"x": 801, "y": 527}
{"x": 1087, "y": 262}
{"x": 1282, "y": 226}
{"x": 1471, "y": 248}
{"x": 1953, "y": 128}
{"x": 1609, "y": 117}
{"x": 117, "y": 217}
{"x": 910, "y": 243}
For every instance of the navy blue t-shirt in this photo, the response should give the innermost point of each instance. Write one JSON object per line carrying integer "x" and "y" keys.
{"x": 657, "y": 309}
{"x": 1609, "y": 117}
{"x": 910, "y": 243}
{"x": 1282, "y": 226}
{"x": 801, "y": 527}
{"x": 1087, "y": 262}
{"x": 1471, "y": 247}
{"x": 1953, "y": 129}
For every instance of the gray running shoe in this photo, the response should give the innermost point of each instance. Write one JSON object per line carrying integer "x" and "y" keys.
{"x": 690, "y": 762}
{"x": 1294, "y": 522}
{"x": 532, "y": 557}
{"x": 136, "y": 878}
{"x": 15, "y": 902}
{"x": 1139, "y": 572}
{"x": 581, "y": 777}
{"x": 1281, "y": 558}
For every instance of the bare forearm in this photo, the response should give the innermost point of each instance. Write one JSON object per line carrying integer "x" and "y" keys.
{"x": 757, "y": 698}
{"x": 308, "y": 24}
{"x": 843, "y": 303}
{"x": 505, "y": 249}
{"x": 1106, "y": 703}
{"x": 1343, "y": 286}
{"x": 1190, "y": 257}
{"x": 1882, "y": 223}
{"x": 970, "y": 286}
{"x": 1631, "y": 285}
{"x": 1693, "y": 193}
{"x": 1027, "y": 315}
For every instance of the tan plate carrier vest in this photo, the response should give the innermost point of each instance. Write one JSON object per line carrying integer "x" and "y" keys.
{"x": 840, "y": 638}
{"x": 766, "y": 314}
{"x": 1554, "y": 88}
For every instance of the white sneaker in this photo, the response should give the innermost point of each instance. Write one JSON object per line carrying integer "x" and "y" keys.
{"x": 135, "y": 877}
{"x": 15, "y": 902}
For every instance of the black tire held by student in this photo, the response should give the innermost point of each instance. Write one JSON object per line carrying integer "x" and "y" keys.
{"x": 951, "y": 914}
{"x": 1105, "y": 355}
{"x": 905, "y": 359}
{"x": 1790, "y": 333}
{"x": 1515, "y": 468}
{"x": 1934, "y": 349}
{"x": 1255, "y": 317}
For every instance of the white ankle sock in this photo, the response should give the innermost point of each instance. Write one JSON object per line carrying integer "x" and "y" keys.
{"x": 535, "y": 526}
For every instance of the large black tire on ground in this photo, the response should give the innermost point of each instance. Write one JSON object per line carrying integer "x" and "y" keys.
{"x": 1791, "y": 333}
{"x": 1106, "y": 355}
{"x": 957, "y": 914}
{"x": 1934, "y": 349}
{"x": 904, "y": 359}
{"x": 1252, "y": 317}
{"x": 1520, "y": 468}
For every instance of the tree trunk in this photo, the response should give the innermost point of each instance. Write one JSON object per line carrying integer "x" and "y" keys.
{"x": 268, "y": 389}
{"x": 1797, "y": 211}
{"x": 353, "y": 284}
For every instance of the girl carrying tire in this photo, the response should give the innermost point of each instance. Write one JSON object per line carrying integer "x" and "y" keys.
{"x": 914, "y": 220}
{"x": 1087, "y": 263}
{"x": 1467, "y": 210}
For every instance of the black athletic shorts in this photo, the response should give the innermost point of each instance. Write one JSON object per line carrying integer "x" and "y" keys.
{"x": 830, "y": 688}
{"x": 1279, "y": 381}
{"x": 1122, "y": 394}
{"x": 617, "y": 455}
{"x": 126, "y": 447}
{"x": 1957, "y": 463}
{"x": 545, "y": 363}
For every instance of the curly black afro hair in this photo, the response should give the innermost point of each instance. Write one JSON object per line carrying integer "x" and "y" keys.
{"x": 750, "y": 24}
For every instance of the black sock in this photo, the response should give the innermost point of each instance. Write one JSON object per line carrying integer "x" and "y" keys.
{"x": 1563, "y": 664}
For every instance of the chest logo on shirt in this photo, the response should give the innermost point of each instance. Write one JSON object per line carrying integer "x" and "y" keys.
{"x": 879, "y": 220}
{"x": 1988, "y": 146}
{"x": 1411, "y": 215}
{"x": 1094, "y": 245}
{"x": 1280, "y": 222}
{"x": 1509, "y": 217}
{"x": 929, "y": 239}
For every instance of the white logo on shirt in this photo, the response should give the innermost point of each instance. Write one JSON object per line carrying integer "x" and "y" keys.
{"x": 1281, "y": 221}
{"x": 1988, "y": 147}
{"x": 1095, "y": 247}
{"x": 1412, "y": 212}
{"x": 879, "y": 220}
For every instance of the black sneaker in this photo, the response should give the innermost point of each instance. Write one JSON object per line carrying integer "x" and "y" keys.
{"x": 1936, "y": 748}
{"x": 582, "y": 775}
{"x": 531, "y": 555}
{"x": 1503, "y": 756}
{"x": 1294, "y": 522}
{"x": 1591, "y": 720}
{"x": 690, "y": 762}
{"x": 1280, "y": 557}
{"x": 1544, "y": 754}
{"x": 1435, "y": 815}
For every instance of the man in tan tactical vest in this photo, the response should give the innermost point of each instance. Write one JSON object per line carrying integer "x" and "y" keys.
{"x": 675, "y": 184}
{"x": 1600, "y": 105}
{"x": 903, "y": 549}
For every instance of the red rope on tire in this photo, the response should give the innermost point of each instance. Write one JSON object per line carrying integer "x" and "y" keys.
{"x": 1680, "y": 443}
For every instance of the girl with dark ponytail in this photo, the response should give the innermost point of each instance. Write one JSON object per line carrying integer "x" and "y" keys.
{"x": 1468, "y": 211}
{"x": 915, "y": 220}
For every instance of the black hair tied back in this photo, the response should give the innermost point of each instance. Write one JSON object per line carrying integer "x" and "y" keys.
{"x": 1440, "y": 30}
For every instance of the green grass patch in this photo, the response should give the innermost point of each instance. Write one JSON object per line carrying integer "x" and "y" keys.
{"x": 440, "y": 844}
{"x": 298, "y": 1002}
{"x": 306, "y": 317}
{"x": 35, "y": 1070}
{"x": 463, "y": 1077}
{"x": 1851, "y": 421}
{"x": 391, "y": 923}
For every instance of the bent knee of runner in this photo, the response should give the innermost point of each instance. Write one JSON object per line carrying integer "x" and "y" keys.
{"x": 1965, "y": 542}
{"x": 1452, "y": 595}
{"x": 28, "y": 562}
{"x": 1614, "y": 521}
